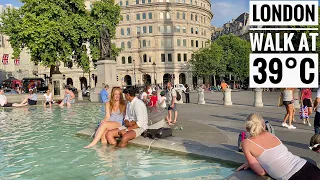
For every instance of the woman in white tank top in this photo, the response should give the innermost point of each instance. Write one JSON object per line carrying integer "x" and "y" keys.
{"x": 287, "y": 96}
{"x": 266, "y": 154}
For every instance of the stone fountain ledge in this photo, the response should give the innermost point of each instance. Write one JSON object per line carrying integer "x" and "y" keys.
{"x": 181, "y": 145}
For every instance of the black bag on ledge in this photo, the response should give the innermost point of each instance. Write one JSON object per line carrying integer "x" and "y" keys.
{"x": 157, "y": 133}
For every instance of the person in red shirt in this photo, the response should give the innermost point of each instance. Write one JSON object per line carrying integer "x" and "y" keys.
{"x": 306, "y": 100}
{"x": 153, "y": 99}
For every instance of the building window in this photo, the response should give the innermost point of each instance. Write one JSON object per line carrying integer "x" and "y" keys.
{"x": 177, "y": 28}
{"x": 138, "y": 16}
{"x": 197, "y": 44}
{"x": 163, "y": 58}
{"x": 137, "y": 1}
{"x": 205, "y": 32}
{"x": 149, "y": 43}
{"x": 184, "y": 57}
{"x": 149, "y": 1}
{"x": 122, "y": 31}
{"x": 123, "y": 60}
{"x": 127, "y": 3}
{"x": 191, "y": 30}
{"x": 150, "y": 15}
{"x": 144, "y": 58}
{"x": 191, "y": 17}
{"x": 138, "y": 30}
{"x": 178, "y": 42}
{"x": 184, "y": 42}
{"x": 149, "y": 59}
{"x": 120, "y": 3}
{"x": 162, "y": 42}
{"x": 128, "y": 17}
{"x": 161, "y": 29}
{"x": 191, "y": 2}
{"x": 168, "y": 29}
{"x": 196, "y": 17}
{"x": 129, "y": 60}
{"x": 129, "y": 44}
{"x": 201, "y": 18}
{"x": 196, "y": 30}
{"x": 122, "y": 45}
{"x": 161, "y": 15}
{"x": 144, "y": 43}
{"x": 144, "y": 16}
{"x": 150, "y": 29}
{"x": 169, "y": 43}
{"x": 168, "y": 15}
{"x": 184, "y": 29}
{"x": 183, "y": 1}
{"x": 144, "y": 29}
{"x": 178, "y": 15}
{"x": 143, "y": 1}
{"x": 184, "y": 15}
{"x": 169, "y": 57}
{"x": 192, "y": 43}
{"x": 128, "y": 31}
{"x": 179, "y": 57}
{"x": 202, "y": 44}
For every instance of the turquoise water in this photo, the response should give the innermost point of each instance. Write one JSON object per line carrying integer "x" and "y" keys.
{"x": 41, "y": 144}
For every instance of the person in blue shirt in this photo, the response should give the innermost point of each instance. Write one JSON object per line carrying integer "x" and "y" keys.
{"x": 104, "y": 95}
{"x": 104, "y": 98}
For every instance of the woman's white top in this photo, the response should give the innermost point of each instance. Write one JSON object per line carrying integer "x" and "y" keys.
{"x": 144, "y": 94}
{"x": 287, "y": 95}
{"x": 47, "y": 97}
{"x": 163, "y": 104}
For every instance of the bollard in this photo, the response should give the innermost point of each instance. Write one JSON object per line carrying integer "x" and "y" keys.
{"x": 296, "y": 97}
{"x": 181, "y": 100}
{"x": 80, "y": 98}
{"x": 227, "y": 97}
{"x": 200, "y": 96}
{"x": 258, "y": 98}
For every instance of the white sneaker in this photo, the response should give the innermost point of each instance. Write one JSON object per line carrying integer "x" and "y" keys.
{"x": 285, "y": 125}
{"x": 304, "y": 121}
{"x": 291, "y": 127}
{"x": 309, "y": 124}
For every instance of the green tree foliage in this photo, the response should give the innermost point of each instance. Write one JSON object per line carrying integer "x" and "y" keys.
{"x": 58, "y": 30}
{"x": 236, "y": 53}
{"x": 208, "y": 61}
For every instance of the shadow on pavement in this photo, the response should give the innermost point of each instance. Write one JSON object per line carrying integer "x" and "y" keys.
{"x": 227, "y": 117}
{"x": 296, "y": 144}
{"x": 228, "y": 129}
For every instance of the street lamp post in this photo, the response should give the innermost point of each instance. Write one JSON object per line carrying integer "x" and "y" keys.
{"x": 134, "y": 72}
{"x": 154, "y": 73}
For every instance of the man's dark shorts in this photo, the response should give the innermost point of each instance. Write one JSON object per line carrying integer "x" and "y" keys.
{"x": 32, "y": 102}
{"x": 174, "y": 108}
{"x": 7, "y": 105}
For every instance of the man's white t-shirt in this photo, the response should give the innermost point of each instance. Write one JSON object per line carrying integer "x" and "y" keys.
{"x": 137, "y": 111}
{"x": 47, "y": 98}
{"x": 318, "y": 96}
{"x": 144, "y": 94}
{"x": 3, "y": 99}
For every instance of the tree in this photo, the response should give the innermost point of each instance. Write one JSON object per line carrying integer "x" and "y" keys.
{"x": 236, "y": 52}
{"x": 208, "y": 61}
{"x": 59, "y": 30}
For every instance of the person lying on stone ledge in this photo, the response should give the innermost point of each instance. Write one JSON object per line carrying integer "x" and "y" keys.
{"x": 135, "y": 123}
{"x": 266, "y": 154}
{"x": 4, "y": 101}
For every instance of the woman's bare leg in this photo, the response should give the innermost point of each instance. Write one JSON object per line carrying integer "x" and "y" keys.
{"x": 101, "y": 130}
{"x": 287, "y": 115}
{"x": 103, "y": 138}
{"x": 290, "y": 108}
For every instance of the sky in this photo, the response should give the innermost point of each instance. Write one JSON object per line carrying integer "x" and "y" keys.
{"x": 223, "y": 10}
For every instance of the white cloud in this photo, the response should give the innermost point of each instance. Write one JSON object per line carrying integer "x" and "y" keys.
{"x": 226, "y": 11}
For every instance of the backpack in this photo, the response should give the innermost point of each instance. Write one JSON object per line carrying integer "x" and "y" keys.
{"x": 178, "y": 96}
{"x": 157, "y": 133}
{"x": 243, "y": 135}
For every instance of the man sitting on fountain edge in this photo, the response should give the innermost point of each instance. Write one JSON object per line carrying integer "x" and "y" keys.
{"x": 135, "y": 123}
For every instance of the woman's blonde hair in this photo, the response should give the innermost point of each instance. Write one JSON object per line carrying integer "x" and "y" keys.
{"x": 122, "y": 103}
{"x": 255, "y": 124}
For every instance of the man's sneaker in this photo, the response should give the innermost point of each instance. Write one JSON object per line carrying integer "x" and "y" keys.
{"x": 304, "y": 121}
{"x": 291, "y": 127}
{"x": 285, "y": 125}
{"x": 309, "y": 124}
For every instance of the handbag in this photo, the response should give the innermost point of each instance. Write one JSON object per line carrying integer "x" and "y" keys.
{"x": 280, "y": 101}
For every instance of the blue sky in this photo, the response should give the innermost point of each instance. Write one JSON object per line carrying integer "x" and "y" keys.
{"x": 223, "y": 10}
